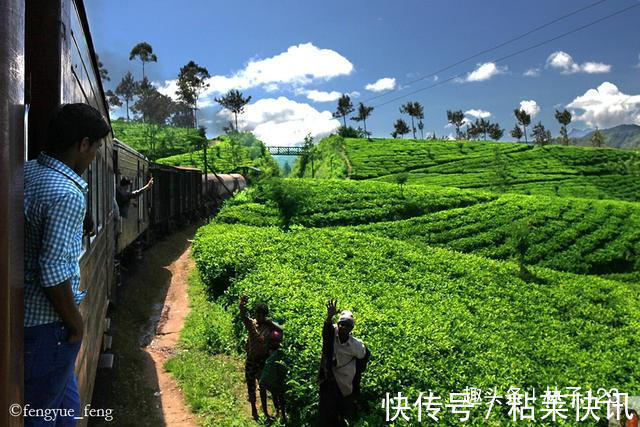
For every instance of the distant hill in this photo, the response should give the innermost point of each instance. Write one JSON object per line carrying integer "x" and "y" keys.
{"x": 622, "y": 136}
{"x": 579, "y": 133}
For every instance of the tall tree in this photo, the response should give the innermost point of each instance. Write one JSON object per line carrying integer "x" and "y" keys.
{"x": 516, "y": 132}
{"x": 401, "y": 128}
{"x": 104, "y": 73}
{"x": 540, "y": 134}
{"x": 113, "y": 99}
{"x": 495, "y": 131}
{"x": 564, "y": 118}
{"x": 524, "y": 119}
{"x": 345, "y": 107}
{"x": 144, "y": 52}
{"x": 127, "y": 89}
{"x": 154, "y": 106}
{"x": 363, "y": 113}
{"x": 234, "y": 102}
{"x": 421, "y": 127}
{"x": 192, "y": 80}
{"x": 597, "y": 138}
{"x": 182, "y": 115}
{"x": 483, "y": 126}
{"x": 415, "y": 110}
{"x": 456, "y": 118}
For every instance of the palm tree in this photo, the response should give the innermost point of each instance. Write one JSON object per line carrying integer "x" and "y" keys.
{"x": 564, "y": 117}
{"x": 234, "y": 102}
{"x": 421, "y": 127}
{"x": 414, "y": 109}
{"x": 401, "y": 128}
{"x": 363, "y": 113}
{"x": 524, "y": 119}
{"x": 456, "y": 118}
{"x": 516, "y": 132}
{"x": 144, "y": 52}
{"x": 345, "y": 107}
{"x": 495, "y": 131}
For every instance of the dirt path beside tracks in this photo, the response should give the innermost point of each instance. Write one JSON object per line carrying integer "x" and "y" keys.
{"x": 151, "y": 307}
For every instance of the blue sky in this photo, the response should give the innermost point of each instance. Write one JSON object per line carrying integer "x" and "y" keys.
{"x": 295, "y": 57}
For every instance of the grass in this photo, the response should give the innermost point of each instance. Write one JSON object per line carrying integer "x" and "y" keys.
{"x": 208, "y": 366}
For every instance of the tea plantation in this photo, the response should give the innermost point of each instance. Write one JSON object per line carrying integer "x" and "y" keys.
{"x": 434, "y": 273}
{"x": 434, "y": 319}
{"x": 494, "y": 166}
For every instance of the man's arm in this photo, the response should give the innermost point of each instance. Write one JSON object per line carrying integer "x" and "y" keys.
{"x": 63, "y": 301}
{"x": 136, "y": 193}
{"x": 246, "y": 320}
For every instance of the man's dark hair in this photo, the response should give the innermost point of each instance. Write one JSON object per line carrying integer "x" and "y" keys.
{"x": 262, "y": 307}
{"x": 125, "y": 181}
{"x": 70, "y": 123}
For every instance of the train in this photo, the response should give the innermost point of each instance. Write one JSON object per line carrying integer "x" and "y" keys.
{"x": 49, "y": 59}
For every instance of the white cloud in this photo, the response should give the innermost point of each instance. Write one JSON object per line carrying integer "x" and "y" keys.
{"x": 532, "y": 72}
{"x": 606, "y": 106}
{"x": 478, "y": 114}
{"x": 530, "y": 106}
{"x": 483, "y": 72}
{"x": 322, "y": 96}
{"x": 386, "y": 83}
{"x": 283, "y": 122}
{"x": 564, "y": 62}
{"x": 297, "y": 66}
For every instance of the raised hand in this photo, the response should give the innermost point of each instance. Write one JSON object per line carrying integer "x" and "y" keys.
{"x": 331, "y": 308}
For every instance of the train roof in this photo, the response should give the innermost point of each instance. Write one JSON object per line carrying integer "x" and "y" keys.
{"x": 188, "y": 168}
{"x": 121, "y": 145}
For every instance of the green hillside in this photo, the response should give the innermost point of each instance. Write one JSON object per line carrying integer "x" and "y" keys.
{"x": 566, "y": 234}
{"x": 490, "y": 265}
{"x": 622, "y": 136}
{"x": 155, "y": 141}
{"x": 435, "y": 319}
{"x": 227, "y": 152}
{"x": 493, "y": 166}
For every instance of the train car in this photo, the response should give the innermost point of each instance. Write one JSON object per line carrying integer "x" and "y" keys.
{"x": 222, "y": 186}
{"x": 191, "y": 187}
{"x": 134, "y": 216}
{"x": 48, "y": 41}
{"x": 160, "y": 196}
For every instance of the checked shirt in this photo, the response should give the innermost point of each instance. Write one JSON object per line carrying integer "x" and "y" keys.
{"x": 54, "y": 209}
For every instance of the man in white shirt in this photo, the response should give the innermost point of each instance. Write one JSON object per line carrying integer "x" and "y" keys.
{"x": 338, "y": 370}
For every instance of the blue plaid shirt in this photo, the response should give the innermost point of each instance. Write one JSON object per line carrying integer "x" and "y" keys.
{"x": 54, "y": 209}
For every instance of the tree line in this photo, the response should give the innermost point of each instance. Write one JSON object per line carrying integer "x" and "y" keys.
{"x": 143, "y": 100}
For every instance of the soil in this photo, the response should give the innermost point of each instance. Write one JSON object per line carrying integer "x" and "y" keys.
{"x": 146, "y": 321}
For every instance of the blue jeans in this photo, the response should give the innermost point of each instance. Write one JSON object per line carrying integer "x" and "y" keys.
{"x": 49, "y": 376}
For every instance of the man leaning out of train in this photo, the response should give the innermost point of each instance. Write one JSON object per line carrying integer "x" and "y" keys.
{"x": 54, "y": 209}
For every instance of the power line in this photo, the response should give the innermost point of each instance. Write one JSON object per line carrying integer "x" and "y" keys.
{"x": 518, "y": 52}
{"x": 491, "y": 48}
